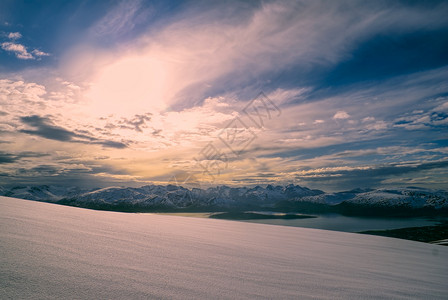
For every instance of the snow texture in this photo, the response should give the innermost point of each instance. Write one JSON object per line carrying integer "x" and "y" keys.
{"x": 50, "y": 251}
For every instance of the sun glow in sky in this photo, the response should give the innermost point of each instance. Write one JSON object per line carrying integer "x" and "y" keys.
{"x": 140, "y": 80}
{"x": 99, "y": 93}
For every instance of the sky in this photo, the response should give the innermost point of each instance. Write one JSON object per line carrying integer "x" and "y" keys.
{"x": 332, "y": 95}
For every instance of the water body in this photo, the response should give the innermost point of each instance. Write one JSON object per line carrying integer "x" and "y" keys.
{"x": 335, "y": 222}
{"x": 349, "y": 224}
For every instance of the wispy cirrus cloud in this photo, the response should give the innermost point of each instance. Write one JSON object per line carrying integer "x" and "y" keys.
{"x": 121, "y": 19}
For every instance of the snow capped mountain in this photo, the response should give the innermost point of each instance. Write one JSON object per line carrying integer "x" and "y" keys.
{"x": 224, "y": 195}
{"x": 411, "y": 197}
{"x": 172, "y": 196}
{"x": 41, "y": 192}
{"x": 144, "y": 197}
{"x": 290, "y": 197}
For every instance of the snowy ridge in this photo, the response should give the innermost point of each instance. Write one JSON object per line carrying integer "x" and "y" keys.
{"x": 167, "y": 196}
{"x": 411, "y": 197}
{"x": 41, "y": 193}
{"x": 224, "y": 197}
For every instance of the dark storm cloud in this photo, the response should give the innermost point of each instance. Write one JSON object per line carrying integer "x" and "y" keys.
{"x": 45, "y": 128}
{"x": 6, "y": 158}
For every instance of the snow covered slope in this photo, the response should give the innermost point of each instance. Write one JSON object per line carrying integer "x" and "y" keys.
{"x": 59, "y": 252}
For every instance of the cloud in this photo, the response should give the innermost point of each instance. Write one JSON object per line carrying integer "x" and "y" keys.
{"x": 137, "y": 123}
{"x": 347, "y": 177}
{"x": 155, "y": 95}
{"x": 45, "y": 129}
{"x": 56, "y": 170}
{"x": 341, "y": 115}
{"x": 368, "y": 119}
{"x": 201, "y": 53}
{"x": 381, "y": 171}
{"x": 21, "y": 52}
{"x": 437, "y": 116}
{"x": 14, "y": 35}
{"x": 39, "y": 53}
{"x": 18, "y": 49}
{"x": 121, "y": 19}
{"x": 6, "y": 158}
{"x": 15, "y": 157}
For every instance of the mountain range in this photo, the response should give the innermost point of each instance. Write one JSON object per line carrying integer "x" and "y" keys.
{"x": 383, "y": 201}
